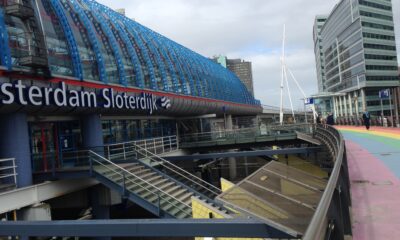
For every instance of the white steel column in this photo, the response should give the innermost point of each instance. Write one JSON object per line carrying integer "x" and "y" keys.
{"x": 351, "y": 105}
{"x": 356, "y": 104}
{"x": 363, "y": 101}
{"x": 346, "y": 113}
{"x": 340, "y": 106}
{"x": 335, "y": 113}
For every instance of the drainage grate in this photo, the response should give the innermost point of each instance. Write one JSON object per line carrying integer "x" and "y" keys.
{"x": 360, "y": 181}
{"x": 386, "y": 154}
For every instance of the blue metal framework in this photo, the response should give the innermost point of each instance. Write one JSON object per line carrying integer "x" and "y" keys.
{"x": 92, "y": 38}
{"x": 4, "y": 49}
{"x": 158, "y": 62}
{"x": 151, "y": 47}
{"x": 113, "y": 42}
{"x": 125, "y": 38}
{"x": 238, "y": 228}
{"x": 145, "y": 54}
{"x": 73, "y": 47}
{"x": 182, "y": 66}
{"x": 159, "y": 45}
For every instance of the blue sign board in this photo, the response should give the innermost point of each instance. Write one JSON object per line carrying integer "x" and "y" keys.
{"x": 309, "y": 101}
{"x": 384, "y": 94}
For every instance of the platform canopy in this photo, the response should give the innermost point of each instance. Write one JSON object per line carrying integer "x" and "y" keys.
{"x": 280, "y": 195}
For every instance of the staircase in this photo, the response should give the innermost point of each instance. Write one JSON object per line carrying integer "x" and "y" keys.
{"x": 8, "y": 174}
{"x": 146, "y": 186}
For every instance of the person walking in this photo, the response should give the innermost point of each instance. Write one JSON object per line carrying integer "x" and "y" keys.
{"x": 367, "y": 119}
{"x": 330, "y": 120}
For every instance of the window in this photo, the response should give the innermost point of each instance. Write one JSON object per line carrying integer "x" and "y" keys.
{"x": 376, "y": 15}
{"x": 379, "y": 46}
{"x": 374, "y": 5}
{"x": 382, "y": 68}
{"x": 377, "y": 26}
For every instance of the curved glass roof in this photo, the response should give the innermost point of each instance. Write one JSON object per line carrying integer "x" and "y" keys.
{"x": 89, "y": 41}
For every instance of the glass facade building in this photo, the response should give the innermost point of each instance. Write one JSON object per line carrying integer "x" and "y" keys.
{"x": 356, "y": 54}
{"x": 76, "y": 75}
{"x": 88, "y": 41}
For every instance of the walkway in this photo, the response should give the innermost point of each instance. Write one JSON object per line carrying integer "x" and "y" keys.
{"x": 374, "y": 167}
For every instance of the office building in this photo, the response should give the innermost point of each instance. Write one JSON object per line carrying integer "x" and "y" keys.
{"x": 319, "y": 56}
{"x": 243, "y": 69}
{"x": 356, "y": 56}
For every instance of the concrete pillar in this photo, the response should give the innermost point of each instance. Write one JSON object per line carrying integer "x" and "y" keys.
{"x": 363, "y": 100}
{"x": 14, "y": 143}
{"x": 231, "y": 160}
{"x": 346, "y": 112}
{"x": 340, "y": 106}
{"x": 100, "y": 201}
{"x": 92, "y": 132}
{"x": 351, "y": 105}
{"x": 356, "y": 104}
{"x": 229, "y": 122}
{"x": 335, "y": 112}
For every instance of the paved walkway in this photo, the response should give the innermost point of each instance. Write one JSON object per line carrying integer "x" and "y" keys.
{"x": 374, "y": 168}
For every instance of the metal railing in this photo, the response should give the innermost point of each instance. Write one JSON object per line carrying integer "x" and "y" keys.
{"x": 8, "y": 171}
{"x": 179, "y": 174}
{"x": 125, "y": 151}
{"x": 245, "y": 133}
{"x": 332, "y": 215}
{"x": 98, "y": 162}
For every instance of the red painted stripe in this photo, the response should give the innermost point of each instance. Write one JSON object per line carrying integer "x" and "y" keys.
{"x": 121, "y": 89}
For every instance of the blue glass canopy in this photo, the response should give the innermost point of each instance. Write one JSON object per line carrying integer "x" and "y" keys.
{"x": 90, "y": 41}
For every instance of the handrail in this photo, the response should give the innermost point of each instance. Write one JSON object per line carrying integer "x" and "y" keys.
{"x": 5, "y": 169}
{"x": 191, "y": 177}
{"x": 316, "y": 226}
{"x": 233, "y": 132}
{"x": 165, "y": 144}
{"x": 141, "y": 179}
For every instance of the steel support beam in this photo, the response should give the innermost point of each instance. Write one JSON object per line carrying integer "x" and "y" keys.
{"x": 23, "y": 197}
{"x": 243, "y": 228}
{"x": 245, "y": 153}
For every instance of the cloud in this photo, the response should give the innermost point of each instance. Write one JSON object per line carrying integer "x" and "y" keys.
{"x": 251, "y": 30}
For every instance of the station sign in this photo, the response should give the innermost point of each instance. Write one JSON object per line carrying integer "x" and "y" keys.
{"x": 383, "y": 94}
{"x": 309, "y": 101}
{"x": 62, "y": 97}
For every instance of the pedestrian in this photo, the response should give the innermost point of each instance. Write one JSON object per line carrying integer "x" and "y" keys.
{"x": 367, "y": 119}
{"x": 318, "y": 118}
{"x": 330, "y": 120}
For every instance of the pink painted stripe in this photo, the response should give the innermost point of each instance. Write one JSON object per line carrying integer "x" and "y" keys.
{"x": 376, "y": 205}
{"x": 379, "y": 129}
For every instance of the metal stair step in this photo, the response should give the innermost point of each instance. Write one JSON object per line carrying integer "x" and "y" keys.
{"x": 186, "y": 196}
{"x": 172, "y": 189}
{"x": 134, "y": 167}
{"x": 165, "y": 185}
{"x": 156, "y": 177}
{"x": 179, "y": 193}
{"x": 160, "y": 181}
{"x": 147, "y": 175}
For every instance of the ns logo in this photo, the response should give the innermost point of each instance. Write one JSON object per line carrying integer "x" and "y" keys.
{"x": 164, "y": 102}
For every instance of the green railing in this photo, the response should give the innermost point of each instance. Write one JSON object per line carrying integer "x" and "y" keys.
{"x": 244, "y": 135}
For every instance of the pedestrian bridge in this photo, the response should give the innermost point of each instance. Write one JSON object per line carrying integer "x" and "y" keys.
{"x": 247, "y": 136}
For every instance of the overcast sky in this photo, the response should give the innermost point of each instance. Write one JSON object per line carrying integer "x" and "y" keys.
{"x": 247, "y": 29}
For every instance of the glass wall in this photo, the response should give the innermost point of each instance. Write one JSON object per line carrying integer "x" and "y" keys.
{"x": 117, "y": 131}
{"x": 88, "y": 57}
{"x": 58, "y": 51}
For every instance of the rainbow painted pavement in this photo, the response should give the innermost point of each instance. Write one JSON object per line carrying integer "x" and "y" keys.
{"x": 374, "y": 169}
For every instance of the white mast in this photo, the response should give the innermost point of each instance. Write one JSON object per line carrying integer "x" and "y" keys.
{"x": 283, "y": 74}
